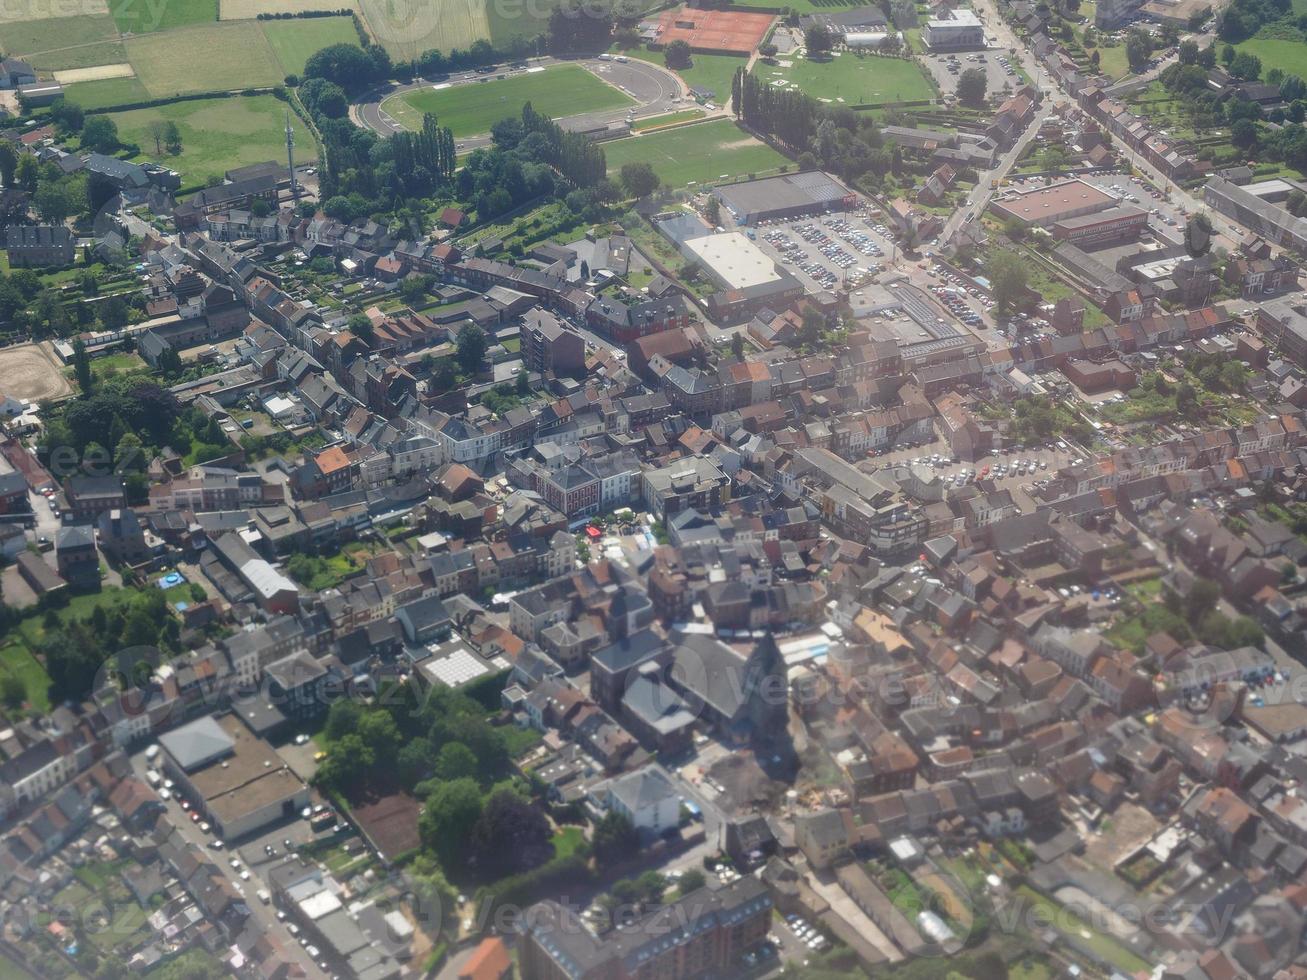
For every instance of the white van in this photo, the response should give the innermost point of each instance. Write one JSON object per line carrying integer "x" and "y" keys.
{"x": 264, "y": 897}
{"x": 153, "y": 778}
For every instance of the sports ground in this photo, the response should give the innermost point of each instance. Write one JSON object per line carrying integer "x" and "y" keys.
{"x": 847, "y": 78}
{"x": 701, "y": 153}
{"x": 471, "y": 109}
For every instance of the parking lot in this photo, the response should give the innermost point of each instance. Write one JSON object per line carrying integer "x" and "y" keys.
{"x": 948, "y": 68}
{"x": 830, "y": 251}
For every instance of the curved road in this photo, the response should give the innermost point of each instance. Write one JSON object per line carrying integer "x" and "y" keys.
{"x": 655, "y": 91}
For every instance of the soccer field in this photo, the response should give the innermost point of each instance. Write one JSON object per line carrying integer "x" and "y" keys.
{"x": 294, "y": 40}
{"x": 218, "y": 134}
{"x": 704, "y": 153}
{"x": 471, "y": 109}
{"x": 847, "y": 78}
{"x": 210, "y": 58}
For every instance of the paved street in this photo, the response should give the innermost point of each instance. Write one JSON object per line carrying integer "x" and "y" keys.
{"x": 265, "y": 916}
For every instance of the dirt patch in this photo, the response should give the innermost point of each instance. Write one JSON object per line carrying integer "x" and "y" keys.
{"x": 32, "y": 372}
{"x": 100, "y": 72}
{"x": 390, "y": 821}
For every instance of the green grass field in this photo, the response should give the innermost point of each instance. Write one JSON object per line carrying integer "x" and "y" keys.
{"x": 702, "y": 153}
{"x": 711, "y": 71}
{"x": 294, "y": 40}
{"x": 146, "y": 17}
{"x": 218, "y": 134}
{"x": 469, "y": 110}
{"x": 106, "y": 93}
{"x": 869, "y": 80}
{"x": 183, "y": 61}
{"x": 17, "y": 661}
{"x": 55, "y": 43}
{"x": 1288, "y": 56}
{"x": 669, "y": 119}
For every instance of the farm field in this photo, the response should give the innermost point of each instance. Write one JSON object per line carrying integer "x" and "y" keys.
{"x": 471, "y": 109}
{"x": 250, "y": 9}
{"x": 181, "y": 61}
{"x": 701, "y": 153}
{"x": 145, "y": 17}
{"x": 407, "y": 29}
{"x": 509, "y": 20}
{"x": 217, "y": 134}
{"x": 106, "y": 93}
{"x": 293, "y": 41}
{"x": 55, "y": 43}
{"x": 869, "y": 80}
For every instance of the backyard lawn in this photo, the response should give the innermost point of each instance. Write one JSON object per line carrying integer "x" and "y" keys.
{"x": 471, "y": 109}
{"x": 1069, "y": 924}
{"x": 701, "y": 153}
{"x": 218, "y": 134}
{"x": 847, "y": 78}
{"x": 17, "y": 661}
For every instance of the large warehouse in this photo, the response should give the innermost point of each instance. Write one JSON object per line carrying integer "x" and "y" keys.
{"x": 785, "y": 196}
{"x": 230, "y": 776}
{"x": 1045, "y": 206}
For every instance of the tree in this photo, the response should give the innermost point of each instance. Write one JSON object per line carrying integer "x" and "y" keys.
{"x": 639, "y": 179}
{"x": 1207, "y": 57}
{"x": 1198, "y": 235}
{"x": 12, "y": 692}
{"x": 971, "y": 87}
{"x": 1007, "y": 279}
{"x": 471, "y": 348}
{"x": 8, "y": 162}
{"x": 712, "y": 211}
{"x": 361, "y": 327}
{"x": 56, "y": 201}
{"x": 82, "y": 367}
{"x": 456, "y": 761}
{"x": 737, "y": 345}
{"x": 446, "y": 824}
{"x": 172, "y": 138}
{"x": 1243, "y": 134}
{"x": 1186, "y": 400}
{"x": 615, "y": 839}
{"x": 677, "y": 55}
{"x": 691, "y": 881}
{"x": 100, "y": 133}
{"x": 817, "y": 40}
{"x": 1188, "y": 53}
{"x": 1246, "y": 66}
{"x": 113, "y": 313}
{"x": 1138, "y": 48}
{"x": 157, "y": 130}
{"x": 510, "y": 836}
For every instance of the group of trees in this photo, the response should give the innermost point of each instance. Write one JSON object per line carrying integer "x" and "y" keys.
{"x": 1244, "y": 18}
{"x": 477, "y": 820}
{"x": 838, "y": 139}
{"x": 971, "y": 87}
{"x": 532, "y": 157}
{"x": 74, "y": 650}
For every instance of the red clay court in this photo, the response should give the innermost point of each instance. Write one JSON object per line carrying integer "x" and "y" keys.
{"x": 712, "y": 31}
